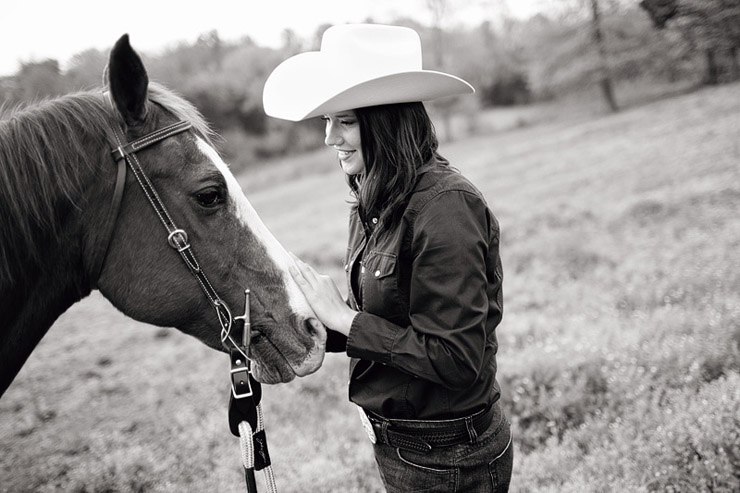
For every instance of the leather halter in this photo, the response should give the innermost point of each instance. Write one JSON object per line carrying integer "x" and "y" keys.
{"x": 244, "y": 406}
{"x": 125, "y": 154}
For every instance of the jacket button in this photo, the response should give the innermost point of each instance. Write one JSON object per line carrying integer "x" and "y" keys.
{"x": 377, "y": 273}
{"x": 375, "y": 220}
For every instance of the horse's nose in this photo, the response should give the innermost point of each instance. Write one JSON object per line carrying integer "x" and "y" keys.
{"x": 315, "y": 354}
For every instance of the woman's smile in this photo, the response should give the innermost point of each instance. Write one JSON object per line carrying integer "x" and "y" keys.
{"x": 343, "y": 135}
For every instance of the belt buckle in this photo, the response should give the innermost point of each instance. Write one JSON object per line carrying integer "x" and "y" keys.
{"x": 367, "y": 425}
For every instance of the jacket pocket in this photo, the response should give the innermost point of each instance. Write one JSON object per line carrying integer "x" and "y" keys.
{"x": 380, "y": 294}
{"x": 380, "y": 265}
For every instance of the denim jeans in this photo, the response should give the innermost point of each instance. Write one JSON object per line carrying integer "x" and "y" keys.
{"x": 483, "y": 466}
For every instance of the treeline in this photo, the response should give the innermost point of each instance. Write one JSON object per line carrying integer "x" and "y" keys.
{"x": 580, "y": 44}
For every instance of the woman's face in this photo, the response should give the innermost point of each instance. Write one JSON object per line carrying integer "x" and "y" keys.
{"x": 343, "y": 134}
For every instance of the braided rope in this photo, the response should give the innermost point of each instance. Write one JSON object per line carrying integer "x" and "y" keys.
{"x": 269, "y": 476}
{"x": 246, "y": 445}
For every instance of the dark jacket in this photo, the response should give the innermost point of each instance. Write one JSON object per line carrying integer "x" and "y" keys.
{"x": 429, "y": 291}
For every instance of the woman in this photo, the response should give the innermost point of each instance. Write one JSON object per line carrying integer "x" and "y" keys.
{"x": 423, "y": 266}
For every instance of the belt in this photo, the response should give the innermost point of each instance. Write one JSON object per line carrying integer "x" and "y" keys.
{"x": 424, "y": 435}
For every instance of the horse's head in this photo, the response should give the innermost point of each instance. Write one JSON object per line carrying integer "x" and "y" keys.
{"x": 148, "y": 280}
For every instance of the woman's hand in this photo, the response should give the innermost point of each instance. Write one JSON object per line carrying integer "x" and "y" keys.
{"x": 323, "y": 296}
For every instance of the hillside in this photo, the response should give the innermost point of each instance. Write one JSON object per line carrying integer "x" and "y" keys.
{"x": 620, "y": 345}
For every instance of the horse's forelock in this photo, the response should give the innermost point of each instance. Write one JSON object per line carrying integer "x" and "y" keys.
{"x": 181, "y": 109}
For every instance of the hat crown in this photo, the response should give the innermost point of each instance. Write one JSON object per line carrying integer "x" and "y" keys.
{"x": 367, "y": 50}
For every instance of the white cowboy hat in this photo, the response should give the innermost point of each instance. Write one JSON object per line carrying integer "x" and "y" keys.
{"x": 359, "y": 65}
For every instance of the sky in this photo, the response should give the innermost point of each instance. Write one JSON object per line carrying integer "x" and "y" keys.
{"x": 34, "y": 30}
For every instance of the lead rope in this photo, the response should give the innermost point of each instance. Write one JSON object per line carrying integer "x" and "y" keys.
{"x": 247, "y": 449}
{"x": 245, "y": 409}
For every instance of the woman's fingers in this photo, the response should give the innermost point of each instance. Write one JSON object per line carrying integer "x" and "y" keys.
{"x": 323, "y": 296}
{"x": 302, "y": 272}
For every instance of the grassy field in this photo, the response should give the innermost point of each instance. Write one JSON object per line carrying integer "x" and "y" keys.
{"x": 620, "y": 345}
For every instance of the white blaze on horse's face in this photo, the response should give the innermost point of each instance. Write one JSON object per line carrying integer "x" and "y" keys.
{"x": 249, "y": 219}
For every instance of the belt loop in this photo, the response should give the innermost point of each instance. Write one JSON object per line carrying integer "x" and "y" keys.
{"x": 471, "y": 429}
{"x": 384, "y": 432}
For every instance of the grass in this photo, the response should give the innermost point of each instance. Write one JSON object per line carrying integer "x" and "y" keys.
{"x": 620, "y": 345}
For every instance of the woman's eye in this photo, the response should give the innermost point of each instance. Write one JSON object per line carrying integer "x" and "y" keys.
{"x": 347, "y": 122}
{"x": 209, "y": 198}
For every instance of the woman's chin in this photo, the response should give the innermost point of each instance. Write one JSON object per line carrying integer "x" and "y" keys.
{"x": 351, "y": 168}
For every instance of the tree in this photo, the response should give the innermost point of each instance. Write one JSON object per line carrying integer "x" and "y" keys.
{"x": 444, "y": 106}
{"x": 39, "y": 80}
{"x": 661, "y": 11}
{"x": 573, "y": 46}
{"x": 606, "y": 79}
{"x": 8, "y": 88}
{"x": 498, "y": 70}
{"x": 711, "y": 27}
{"x": 86, "y": 70}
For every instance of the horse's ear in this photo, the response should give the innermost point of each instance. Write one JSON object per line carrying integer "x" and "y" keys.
{"x": 128, "y": 81}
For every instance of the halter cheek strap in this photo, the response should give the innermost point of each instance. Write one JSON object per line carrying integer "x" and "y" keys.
{"x": 96, "y": 266}
{"x": 125, "y": 154}
{"x": 120, "y": 155}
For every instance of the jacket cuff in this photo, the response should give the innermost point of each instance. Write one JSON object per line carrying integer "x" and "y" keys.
{"x": 336, "y": 342}
{"x": 371, "y": 338}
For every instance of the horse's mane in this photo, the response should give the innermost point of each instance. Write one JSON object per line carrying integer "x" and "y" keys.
{"x": 70, "y": 130}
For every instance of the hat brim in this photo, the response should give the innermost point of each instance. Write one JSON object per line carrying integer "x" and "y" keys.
{"x": 306, "y": 86}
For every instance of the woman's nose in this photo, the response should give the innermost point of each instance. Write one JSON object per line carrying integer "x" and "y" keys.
{"x": 333, "y": 137}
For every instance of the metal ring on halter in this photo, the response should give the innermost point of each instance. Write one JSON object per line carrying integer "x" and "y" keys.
{"x": 225, "y": 329}
{"x": 174, "y": 243}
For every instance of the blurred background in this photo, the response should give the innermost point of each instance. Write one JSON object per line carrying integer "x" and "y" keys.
{"x": 596, "y": 55}
{"x": 603, "y": 133}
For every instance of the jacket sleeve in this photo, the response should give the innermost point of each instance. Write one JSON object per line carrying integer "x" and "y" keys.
{"x": 448, "y": 301}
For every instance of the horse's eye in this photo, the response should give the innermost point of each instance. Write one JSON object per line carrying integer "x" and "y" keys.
{"x": 209, "y": 198}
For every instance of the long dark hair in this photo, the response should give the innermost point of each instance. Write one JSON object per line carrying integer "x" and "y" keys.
{"x": 397, "y": 140}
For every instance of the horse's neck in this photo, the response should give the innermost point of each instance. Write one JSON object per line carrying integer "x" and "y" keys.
{"x": 26, "y": 314}
{"x": 37, "y": 287}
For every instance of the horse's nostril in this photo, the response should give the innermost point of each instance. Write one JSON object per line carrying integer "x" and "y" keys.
{"x": 309, "y": 326}
{"x": 313, "y": 327}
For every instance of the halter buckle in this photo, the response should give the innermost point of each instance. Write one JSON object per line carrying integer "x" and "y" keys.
{"x": 241, "y": 371}
{"x": 241, "y": 376}
{"x": 178, "y": 239}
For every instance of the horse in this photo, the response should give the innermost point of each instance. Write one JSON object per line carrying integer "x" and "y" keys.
{"x": 74, "y": 220}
